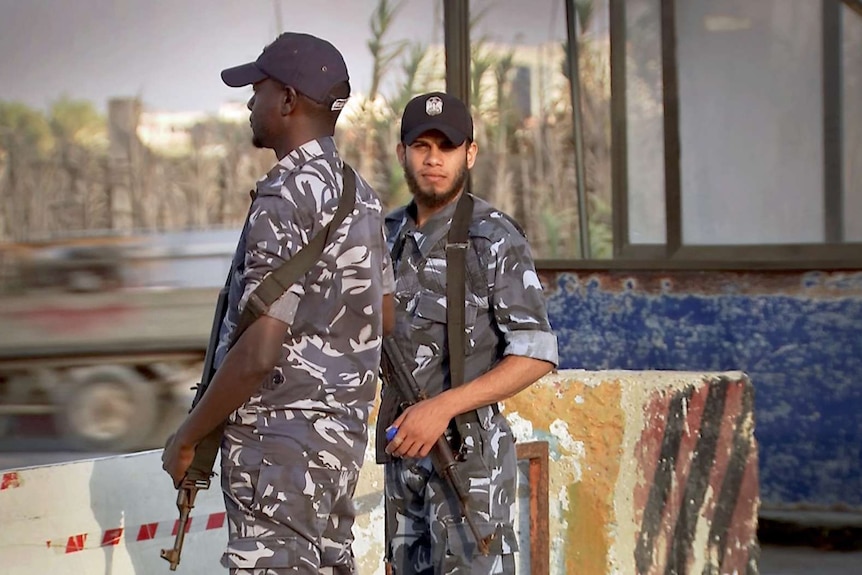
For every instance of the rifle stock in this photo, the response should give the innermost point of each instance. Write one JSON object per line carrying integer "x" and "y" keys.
{"x": 186, "y": 495}
{"x": 397, "y": 373}
{"x": 199, "y": 473}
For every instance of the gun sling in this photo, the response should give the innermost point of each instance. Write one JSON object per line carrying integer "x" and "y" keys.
{"x": 456, "y": 280}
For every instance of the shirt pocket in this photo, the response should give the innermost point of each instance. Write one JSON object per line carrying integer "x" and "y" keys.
{"x": 430, "y": 319}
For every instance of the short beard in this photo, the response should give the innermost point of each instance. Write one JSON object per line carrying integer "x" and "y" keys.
{"x": 429, "y": 199}
{"x": 257, "y": 142}
{"x": 259, "y": 137}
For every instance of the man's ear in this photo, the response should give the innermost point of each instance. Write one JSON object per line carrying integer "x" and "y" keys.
{"x": 472, "y": 150}
{"x": 289, "y": 100}
{"x": 401, "y": 152}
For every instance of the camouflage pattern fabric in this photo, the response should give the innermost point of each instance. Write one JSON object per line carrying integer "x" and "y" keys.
{"x": 505, "y": 315}
{"x": 425, "y": 533}
{"x": 283, "y": 516}
{"x": 291, "y": 454}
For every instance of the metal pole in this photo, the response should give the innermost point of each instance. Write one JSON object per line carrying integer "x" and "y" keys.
{"x": 577, "y": 123}
{"x": 619, "y": 131}
{"x": 833, "y": 170}
{"x": 672, "y": 144}
{"x": 456, "y": 38}
{"x": 456, "y": 34}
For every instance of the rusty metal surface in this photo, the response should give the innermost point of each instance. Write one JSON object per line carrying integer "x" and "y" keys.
{"x": 536, "y": 452}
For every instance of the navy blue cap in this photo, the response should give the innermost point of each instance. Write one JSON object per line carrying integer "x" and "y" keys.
{"x": 436, "y": 111}
{"x": 307, "y": 63}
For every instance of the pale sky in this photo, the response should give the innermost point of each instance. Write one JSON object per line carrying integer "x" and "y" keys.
{"x": 170, "y": 52}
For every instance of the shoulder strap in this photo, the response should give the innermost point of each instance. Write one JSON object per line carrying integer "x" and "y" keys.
{"x": 278, "y": 282}
{"x": 456, "y": 266}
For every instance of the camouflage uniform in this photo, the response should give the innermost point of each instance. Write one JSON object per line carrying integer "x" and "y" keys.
{"x": 505, "y": 315}
{"x": 291, "y": 454}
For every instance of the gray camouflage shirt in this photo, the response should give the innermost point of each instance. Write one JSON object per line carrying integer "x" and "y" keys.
{"x": 319, "y": 396}
{"x": 505, "y": 309}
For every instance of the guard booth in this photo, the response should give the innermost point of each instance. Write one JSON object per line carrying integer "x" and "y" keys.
{"x": 718, "y": 226}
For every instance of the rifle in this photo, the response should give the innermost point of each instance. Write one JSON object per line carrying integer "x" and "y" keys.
{"x": 397, "y": 373}
{"x": 199, "y": 474}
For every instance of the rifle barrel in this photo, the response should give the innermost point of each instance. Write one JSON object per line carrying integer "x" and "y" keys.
{"x": 447, "y": 468}
{"x": 395, "y": 367}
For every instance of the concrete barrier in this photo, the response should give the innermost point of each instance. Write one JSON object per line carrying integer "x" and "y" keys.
{"x": 648, "y": 472}
{"x": 651, "y": 472}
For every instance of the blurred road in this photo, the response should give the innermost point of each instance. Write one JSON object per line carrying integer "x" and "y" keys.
{"x": 40, "y": 444}
{"x": 774, "y": 560}
{"x": 807, "y": 561}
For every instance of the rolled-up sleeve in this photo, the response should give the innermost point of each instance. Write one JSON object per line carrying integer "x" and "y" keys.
{"x": 519, "y": 304}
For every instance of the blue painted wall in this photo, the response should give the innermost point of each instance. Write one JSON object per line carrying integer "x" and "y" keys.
{"x": 798, "y": 335}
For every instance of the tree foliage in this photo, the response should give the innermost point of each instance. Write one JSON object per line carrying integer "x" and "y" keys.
{"x": 70, "y": 170}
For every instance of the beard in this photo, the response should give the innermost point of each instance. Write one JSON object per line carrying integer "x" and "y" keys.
{"x": 260, "y": 134}
{"x": 257, "y": 139}
{"x": 427, "y": 197}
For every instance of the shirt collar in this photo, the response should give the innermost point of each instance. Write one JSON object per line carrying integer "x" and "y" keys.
{"x": 435, "y": 228}
{"x": 311, "y": 150}
{"x": 308, "y": 151}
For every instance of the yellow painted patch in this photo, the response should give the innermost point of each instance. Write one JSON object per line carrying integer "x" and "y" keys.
{"x": 594, "y": 418}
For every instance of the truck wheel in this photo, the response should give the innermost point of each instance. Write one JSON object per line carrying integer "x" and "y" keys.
{"x": 110, "y": 408}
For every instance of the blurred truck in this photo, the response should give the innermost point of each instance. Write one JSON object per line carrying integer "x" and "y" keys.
{"x": 93, "y": 337}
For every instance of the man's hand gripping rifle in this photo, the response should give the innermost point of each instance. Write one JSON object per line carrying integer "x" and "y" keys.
{"x": 397, "y": 374}
{"x": 201, "y": 470}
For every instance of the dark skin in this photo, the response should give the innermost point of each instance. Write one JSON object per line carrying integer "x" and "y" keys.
{"x": 281, "y": 120}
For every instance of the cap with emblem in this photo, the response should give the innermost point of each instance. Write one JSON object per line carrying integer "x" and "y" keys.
{"x": 436, "y": 111}
{"x": 307, "y": 63}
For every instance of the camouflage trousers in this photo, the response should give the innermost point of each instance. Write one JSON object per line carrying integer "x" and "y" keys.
{"x": 425, "y": 532}
{"x": 283, "y": 515}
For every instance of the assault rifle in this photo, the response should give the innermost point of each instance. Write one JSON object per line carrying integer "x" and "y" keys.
{"x": 397, "y": 373}
{"x": 201, "y": 470}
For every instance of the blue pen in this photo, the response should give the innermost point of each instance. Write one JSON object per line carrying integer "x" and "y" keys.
{"x": 390, "y": 433}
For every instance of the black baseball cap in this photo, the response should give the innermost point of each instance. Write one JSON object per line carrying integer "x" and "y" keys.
{"x": 436, "y": 111}
{"x": 307, "y": 63}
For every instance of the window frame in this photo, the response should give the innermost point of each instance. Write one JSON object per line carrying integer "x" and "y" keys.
{"x": 832, "y": 254}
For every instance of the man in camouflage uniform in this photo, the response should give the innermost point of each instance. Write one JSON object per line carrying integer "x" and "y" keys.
{"x": 297, "y": 387}
{"x": 509, "y": 345}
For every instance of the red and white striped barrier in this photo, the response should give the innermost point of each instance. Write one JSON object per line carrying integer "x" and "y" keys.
{"x": 108, "y": 515}
{"x": 115, "y": 514}
{"x": 136, "y": 534}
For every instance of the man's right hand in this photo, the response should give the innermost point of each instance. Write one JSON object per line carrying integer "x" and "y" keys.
{"x": 420, "y": 426}
{"x": 177, "y": 458}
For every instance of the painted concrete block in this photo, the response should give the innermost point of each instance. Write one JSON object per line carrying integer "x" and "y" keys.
{"x": 649, "y": 472}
